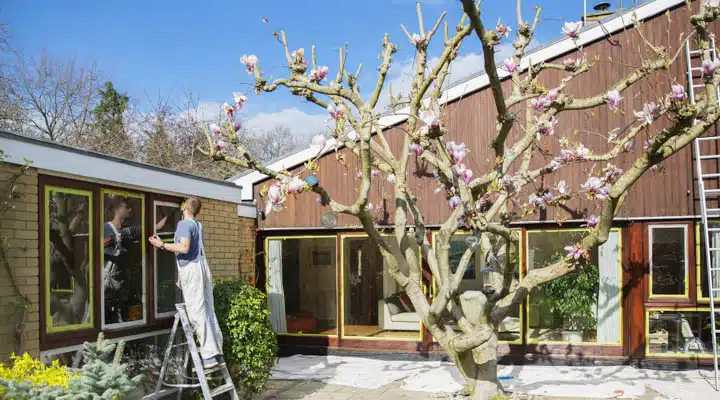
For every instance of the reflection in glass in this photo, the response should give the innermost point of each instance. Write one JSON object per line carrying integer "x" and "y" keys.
{"x": 715, "y": 257}
{"x": 373, "y": 304}
{"x": 581, "y": 306}
{"x": 679, "y": 332}
{"x": 668, "y": 268}
{"x": 168, "y": 293}
{"x": 68, "y": 257}
{"x": 302, "y": 285}
{"x": 123, "y": 246}
{"x": 509, "y": 328}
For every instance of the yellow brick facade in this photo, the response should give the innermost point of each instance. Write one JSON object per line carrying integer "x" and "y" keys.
{"x": 229, "y": 241}
{"x": 19, "y": 229}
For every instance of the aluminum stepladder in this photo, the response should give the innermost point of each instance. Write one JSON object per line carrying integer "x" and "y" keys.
{"x": 191, "y": 353}
{"x": 711, "y": 254}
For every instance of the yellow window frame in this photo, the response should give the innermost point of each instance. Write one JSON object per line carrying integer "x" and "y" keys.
{"x": 521, "y": 251}
{"x": 620, "y": 287}
{"x": 49, "y": 328}
{"x": 699, "y": 257}
{"x": 686, "y": 293}
{"x": 342, "y": 299}
{"x": 267, "y": 278}
{"x": 144, "y": 320}
{"x": 677, "y": 309}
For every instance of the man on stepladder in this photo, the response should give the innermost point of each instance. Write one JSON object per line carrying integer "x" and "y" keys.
{"x": 196, "y": 281}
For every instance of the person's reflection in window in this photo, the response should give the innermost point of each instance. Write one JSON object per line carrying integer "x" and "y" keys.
{"x": 117, "y": 239}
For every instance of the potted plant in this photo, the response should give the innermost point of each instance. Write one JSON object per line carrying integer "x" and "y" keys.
{"x": 573, "y": 299}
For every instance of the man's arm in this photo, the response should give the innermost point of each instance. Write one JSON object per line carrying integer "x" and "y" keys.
{"x": 181, "y": 248}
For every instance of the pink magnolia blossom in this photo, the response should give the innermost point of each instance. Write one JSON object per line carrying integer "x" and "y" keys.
{"x": 515, "y": 202}
{"x": 216, "y": 130}
{"x": 613, "y": 99}
{"x": 457, "y": 151}
{"x": 572, "y": 29}
{"x": 276, "y": 196}
{"x": 503, "y": 30}
{"x": 648, "y": 144}
{"x": 657, "y": 169}
{"x": 540, "y": 103}
{"x": 374, "y": 173}
{"x": 319, "y": 74}
{"x": 454, "y": 201}
{"x": 576, "y": 252}
{"x": 552, "y": 94}
{"x": 369, "y": 206}
{"x": 595, "y": 188}
{"x": 591, "y": 221}
{"x": 628, "y": 146}
{"x": 548, "y": 197}
{"x": 250, "y": 62}
{"x": 239, "y": 99}
{"x": 648, "y": 113}
{"x": 463, "y": 172}
{"x": 708, "y": 67}
{"x": 298, "y": 55}
{"x": 611, "y": 173}
{"x": 220, "y": 145}
{"x": 319, "y": 200}
{"x": 237, "y": 125}
{"x": 430, "y": 117}
{"x": 536, "y": 201}
{"x": 545, "y": 128}
{"x": 418, "y": 39}
{"x": 562, "y": 187}
{"x": 296, "y": 185}
{"x": 416, "y": 149}
{"x": 391, "y": 178}
{"x": 573, "y": 64}
{"x": 336, "y": 112}
{"x": 678, "y": 92}
{"x": 229, "y": 110}
{"x": 509, "y": 65}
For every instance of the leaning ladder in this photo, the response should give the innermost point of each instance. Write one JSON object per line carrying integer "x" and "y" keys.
{"x": 191, "y": 352}
{"x": 711, "y": 253}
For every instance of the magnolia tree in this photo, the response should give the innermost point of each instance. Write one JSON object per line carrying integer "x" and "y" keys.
{"x": 484, "y": 202}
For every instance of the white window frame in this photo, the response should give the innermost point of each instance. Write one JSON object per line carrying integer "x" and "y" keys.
{"x": 144, "y": 320}
{"x": 167, "y": 314}
{"x": 686, "y": 290}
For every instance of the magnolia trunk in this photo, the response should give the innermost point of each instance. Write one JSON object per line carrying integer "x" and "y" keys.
{"x": 479, "y": 367}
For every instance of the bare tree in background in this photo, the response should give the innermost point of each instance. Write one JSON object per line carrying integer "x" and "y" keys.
{"x": 270, "y": 144}
{"x": 50, "y": 97}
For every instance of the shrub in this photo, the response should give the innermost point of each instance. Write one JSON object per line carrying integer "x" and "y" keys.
{"x": 249, "y": 343}
{"x": 34, "y": 372}
{"x": 102, "y": 377}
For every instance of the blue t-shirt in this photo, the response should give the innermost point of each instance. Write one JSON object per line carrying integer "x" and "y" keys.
{"x": 190, "y": 229}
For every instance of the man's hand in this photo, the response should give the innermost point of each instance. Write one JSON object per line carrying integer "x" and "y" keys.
{"x": 156, "y": 241}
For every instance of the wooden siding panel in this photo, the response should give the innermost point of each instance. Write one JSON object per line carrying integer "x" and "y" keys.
{"x": 471, "y": 119}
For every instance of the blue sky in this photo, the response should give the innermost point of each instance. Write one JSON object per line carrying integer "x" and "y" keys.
{"x": 151, "y": 48}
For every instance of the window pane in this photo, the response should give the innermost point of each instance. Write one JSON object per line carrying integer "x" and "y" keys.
{"x": 715, "y": 256}
{"x": 68, "y": 234}
{"x": 123, "y": 258}
{"x": 679, "y": 332}
{"x": 582, "y": 306}
{"x": 302, "y": 285}
{"x": 167, "y": 293}
{"x": 373, "y": 304}
{"x": 668, "y": 260}
{"x": 509, "y": 329}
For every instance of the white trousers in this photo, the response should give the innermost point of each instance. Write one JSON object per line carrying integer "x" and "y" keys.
{"x": 196, "y": 283}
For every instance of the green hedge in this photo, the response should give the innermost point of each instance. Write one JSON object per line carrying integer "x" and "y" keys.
{"x": 249, "y": 342}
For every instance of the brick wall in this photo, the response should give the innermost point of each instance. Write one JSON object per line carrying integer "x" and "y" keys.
{"x": 20, "y": 227}
{"x": 222, "y": 237}
{"x": 247, "y": 248}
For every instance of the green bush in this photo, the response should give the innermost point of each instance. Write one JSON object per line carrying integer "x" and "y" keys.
{"x": 249, "y": 342}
